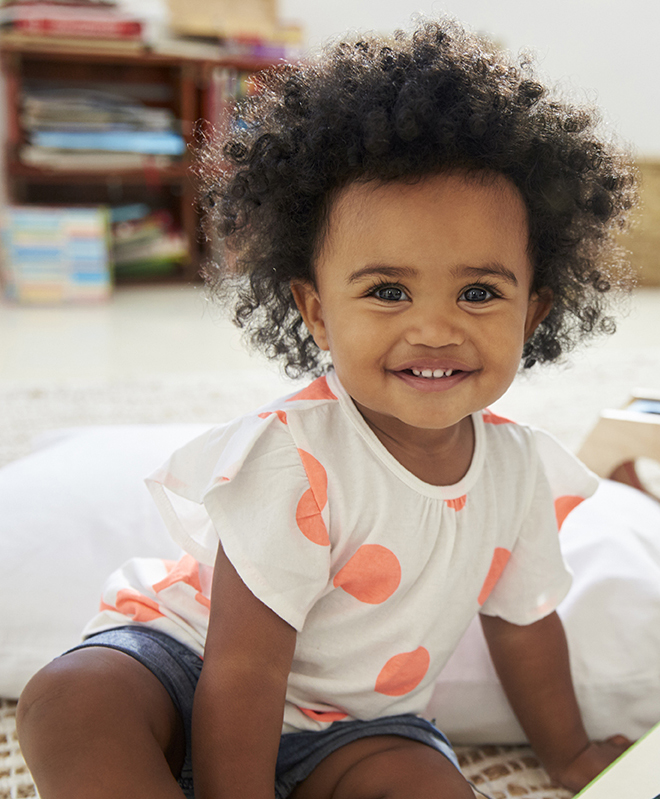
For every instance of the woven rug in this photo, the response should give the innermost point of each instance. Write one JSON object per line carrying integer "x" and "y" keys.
{"x": 15, "y": 779}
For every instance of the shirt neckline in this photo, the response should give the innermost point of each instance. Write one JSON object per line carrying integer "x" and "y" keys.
{"x": 454, "y": 491}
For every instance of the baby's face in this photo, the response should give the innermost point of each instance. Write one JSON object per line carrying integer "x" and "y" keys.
{"x": 423, "y": 297}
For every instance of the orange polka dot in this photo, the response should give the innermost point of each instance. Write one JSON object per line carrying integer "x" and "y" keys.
{"x": 500, "y": 559}
{"x": 564, "y": 505}
{"x": 492, "y": 418}
{"x": 280, "y": 415}
{"x": 317, "y": 476}
{"x": 221, "y": 479}
{"x": 186, "y": 570}
{"x": 318, "y": 390}
{"x": 136, "y": 605}
{"x": 402, "y": 673}
{"x": 309, "y": 520}
{"x": 457, "y": 504}
{"x": 372, "y": 575}
{"x": 323, "y": 715}
{"x": 312, "y": 502}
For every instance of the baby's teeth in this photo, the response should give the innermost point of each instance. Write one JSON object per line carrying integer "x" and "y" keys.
{"x": 432, "y": 373}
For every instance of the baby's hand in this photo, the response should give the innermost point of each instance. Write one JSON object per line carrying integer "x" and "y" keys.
{"x": 591, "y": 761}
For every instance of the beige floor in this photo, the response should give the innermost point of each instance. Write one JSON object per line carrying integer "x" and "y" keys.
{"x": 163, "y": 330}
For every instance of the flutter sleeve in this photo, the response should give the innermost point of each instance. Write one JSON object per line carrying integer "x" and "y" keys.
{"x": 536, "y": 579}
{"x": 248, "y": 486}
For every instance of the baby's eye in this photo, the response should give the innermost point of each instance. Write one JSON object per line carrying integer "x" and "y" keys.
{"x": 390, "y": 293}
{"x": 477, "y": 294}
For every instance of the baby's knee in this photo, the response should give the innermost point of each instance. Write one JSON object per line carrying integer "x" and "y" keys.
{"x": 55, "y": 691}
{"x": 404, "y": 770}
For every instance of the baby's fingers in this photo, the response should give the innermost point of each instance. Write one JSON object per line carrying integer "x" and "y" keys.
{"x": 620, "y": 740}
{"x": 593, "y": 760}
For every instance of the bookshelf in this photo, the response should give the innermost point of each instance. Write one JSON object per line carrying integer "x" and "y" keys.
{"x": 190, "y": 88}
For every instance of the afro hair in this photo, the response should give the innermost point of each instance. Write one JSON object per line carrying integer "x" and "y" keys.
{"x": 398, "y": 108}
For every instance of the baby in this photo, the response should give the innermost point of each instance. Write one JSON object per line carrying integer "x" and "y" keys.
{"x": 407, "y": 221}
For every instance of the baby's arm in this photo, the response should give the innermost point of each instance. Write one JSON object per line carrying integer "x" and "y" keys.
{"x": 239, "y": 701}
{"x": 533, "y": 666}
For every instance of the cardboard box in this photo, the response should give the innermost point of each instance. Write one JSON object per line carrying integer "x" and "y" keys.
{"x": 223, "y": 18}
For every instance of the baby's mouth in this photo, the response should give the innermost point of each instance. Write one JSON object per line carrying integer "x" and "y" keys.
{"x": 432, "y": 374}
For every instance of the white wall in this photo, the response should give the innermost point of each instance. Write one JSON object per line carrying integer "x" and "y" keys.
{"x": 603, "y": 51}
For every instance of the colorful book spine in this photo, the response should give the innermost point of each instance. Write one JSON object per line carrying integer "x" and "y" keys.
{"x": 94, "y": 28}
{"x": 58, "y": 19}
{"x": 151, "y": 142}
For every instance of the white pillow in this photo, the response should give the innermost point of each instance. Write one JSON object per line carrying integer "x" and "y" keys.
{"x": 611, "y": 615}
{"x": 76, "y": 509}
{"x": 71, "y": 513}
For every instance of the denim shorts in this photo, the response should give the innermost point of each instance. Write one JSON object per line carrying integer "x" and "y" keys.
{"x": 178, "y": 669}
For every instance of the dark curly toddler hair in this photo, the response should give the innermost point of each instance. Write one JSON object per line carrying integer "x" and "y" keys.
{"x": 399, "y": 108}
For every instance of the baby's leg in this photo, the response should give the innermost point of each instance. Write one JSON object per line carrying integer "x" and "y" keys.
{"x": 385, "y": 767}
{"x": 96, "y": 723}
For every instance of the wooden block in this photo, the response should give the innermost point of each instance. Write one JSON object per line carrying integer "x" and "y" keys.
{"x": 622, "y": 435}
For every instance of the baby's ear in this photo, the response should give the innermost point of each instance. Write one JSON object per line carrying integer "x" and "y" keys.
{"x": 540, "y": 305}
{"x": 309, "y": 305}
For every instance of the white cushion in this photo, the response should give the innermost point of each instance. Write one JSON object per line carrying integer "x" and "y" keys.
{"x": 77, "y": 508}
{"x": 70, "y": 513}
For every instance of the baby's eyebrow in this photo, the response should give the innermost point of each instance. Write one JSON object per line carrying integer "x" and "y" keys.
{"x": 494, "y": 269}
{"x": 396, "y": 272}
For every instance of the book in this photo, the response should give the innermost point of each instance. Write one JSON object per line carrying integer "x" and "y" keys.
{"x": 55, "y": 254}
{"x": 95, "y": 28}
{"x": 90, "y": 109}
{"x": 138, "y": 141}
{"x": 77, "y": 19}
{"x": 55, "y": 160}
{"x": 146, "y": 242}
{"x": 635, "y": 775}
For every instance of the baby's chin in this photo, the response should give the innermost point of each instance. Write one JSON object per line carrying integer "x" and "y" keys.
{"x": 412, "y": 424}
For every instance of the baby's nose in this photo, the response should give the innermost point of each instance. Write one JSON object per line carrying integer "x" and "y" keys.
{"x": 435, "y": 326}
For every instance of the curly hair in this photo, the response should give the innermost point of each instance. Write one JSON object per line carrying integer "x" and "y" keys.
{"x": 399, "y": 108}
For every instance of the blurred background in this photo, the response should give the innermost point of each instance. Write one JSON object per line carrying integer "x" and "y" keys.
{"x": 100, "y": 100}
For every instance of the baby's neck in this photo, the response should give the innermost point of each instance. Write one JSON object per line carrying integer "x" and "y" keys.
{"x": 439, "y": 457}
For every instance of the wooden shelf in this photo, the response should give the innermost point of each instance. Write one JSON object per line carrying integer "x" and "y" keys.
{"x": 140, "y": 55}
{"x": 149, "y": 174}
{"x": 176, "y": 81}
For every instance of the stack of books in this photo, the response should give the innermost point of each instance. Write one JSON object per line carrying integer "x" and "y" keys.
{"x": 55, "y": 255}
{"x": 70, "y": 24}
{"x": 146, "y": 243}
{"x": 87, "y": 129}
